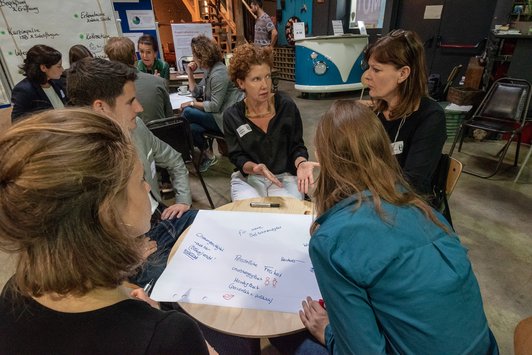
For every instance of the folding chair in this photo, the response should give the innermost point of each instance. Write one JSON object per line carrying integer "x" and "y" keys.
{"x": 175, "y": 131}
{"x": 503, "y": 110}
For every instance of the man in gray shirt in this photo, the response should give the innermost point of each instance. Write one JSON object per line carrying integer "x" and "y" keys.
{"x": 108, "y": 87}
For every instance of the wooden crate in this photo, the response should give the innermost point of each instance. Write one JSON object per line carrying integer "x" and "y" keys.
{"x": 284, "y": 62}
{"x": 464, "y": 96}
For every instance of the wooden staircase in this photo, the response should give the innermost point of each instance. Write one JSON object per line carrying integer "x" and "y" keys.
{"x": 220, "y": 14}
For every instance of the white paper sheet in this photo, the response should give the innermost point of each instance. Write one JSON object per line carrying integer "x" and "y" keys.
{"x": 176, "y": 100}
{"x": 244, "y": 260}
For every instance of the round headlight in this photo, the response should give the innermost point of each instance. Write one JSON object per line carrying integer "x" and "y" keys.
{"x": 320, "y": 68}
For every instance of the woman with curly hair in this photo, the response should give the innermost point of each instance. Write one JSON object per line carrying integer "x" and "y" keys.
{"x": 264, "y": 132}
{"x": 215, "y": 93}
{"x": 41, "y": 89}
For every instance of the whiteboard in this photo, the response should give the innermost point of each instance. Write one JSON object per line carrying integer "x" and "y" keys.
{"x": 56, "y": 23}
{"x": 183, "y": 33}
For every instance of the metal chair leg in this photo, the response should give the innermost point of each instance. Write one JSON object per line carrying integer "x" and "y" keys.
{"x": 456, "y": 137}
{"x": 516, "y": 159}
{"x": 524, "y": 163}
{"x": 196, "y": 163}
{"x": 499, "y": 162}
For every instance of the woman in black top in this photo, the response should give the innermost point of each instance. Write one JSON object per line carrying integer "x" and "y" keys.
{"x": 264, "y": 132}
{"x": 41, "y": 89}
{"x": 74, "y": 208}
{"x": 397, "y": 82}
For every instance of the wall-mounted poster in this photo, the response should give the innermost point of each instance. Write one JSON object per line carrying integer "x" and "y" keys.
{"x": 140, "y": 19}
{"x": 183, "y": 34}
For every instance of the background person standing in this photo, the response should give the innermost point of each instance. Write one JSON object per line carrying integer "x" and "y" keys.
{"x": 265, "y": 31}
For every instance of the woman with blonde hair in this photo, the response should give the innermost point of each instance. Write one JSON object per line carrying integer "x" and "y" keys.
{"x": 394, "y": 277}
{"x": 74, "y": 209}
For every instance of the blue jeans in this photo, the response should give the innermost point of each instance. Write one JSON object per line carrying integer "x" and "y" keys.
{"x": 164, "y": 233}
{"x": 200, "y": 121}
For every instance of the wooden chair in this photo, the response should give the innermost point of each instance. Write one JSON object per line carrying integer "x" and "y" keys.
{"x": 523, "y": 337}
{"x": 455, "y": 170}
{"x": 444, "y": 181}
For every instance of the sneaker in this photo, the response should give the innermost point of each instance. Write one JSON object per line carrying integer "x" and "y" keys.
{"x": 207, "y": 163}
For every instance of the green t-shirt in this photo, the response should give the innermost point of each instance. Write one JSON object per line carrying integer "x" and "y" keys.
{"x": 159, "y": 65}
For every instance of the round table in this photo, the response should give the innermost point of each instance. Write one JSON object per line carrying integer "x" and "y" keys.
{"x": 243, "y": 321}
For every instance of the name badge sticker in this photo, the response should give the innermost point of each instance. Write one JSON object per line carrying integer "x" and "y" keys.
{"x": 243, "y": 130}
{"x": 397, "y": 147}
{"x": 153, "y": 169}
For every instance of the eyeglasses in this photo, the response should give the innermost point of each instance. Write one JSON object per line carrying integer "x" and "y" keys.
{"x": 407, "y": 36}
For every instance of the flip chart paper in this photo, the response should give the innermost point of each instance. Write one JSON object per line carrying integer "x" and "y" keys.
{"x": 244, "y": 260}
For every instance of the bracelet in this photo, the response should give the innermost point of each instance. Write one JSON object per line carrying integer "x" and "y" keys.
{"x": 298, "y": 164}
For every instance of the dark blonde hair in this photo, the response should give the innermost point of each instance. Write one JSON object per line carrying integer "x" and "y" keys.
{"x": 354, "y": 153}
{"x": 120, "y": 49}
{"x": 62, "y": 173}
{"x": 402, "y": 48}
{"x": 206, "y": 51}
{"x": 245, "y": 56}
{"x": 77, "y": 52}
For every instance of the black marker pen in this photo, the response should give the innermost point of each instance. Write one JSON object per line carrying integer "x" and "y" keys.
{"x": 264, "y": 204}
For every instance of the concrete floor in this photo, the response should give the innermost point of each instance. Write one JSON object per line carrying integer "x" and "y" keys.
{"x": 492, "y": 217}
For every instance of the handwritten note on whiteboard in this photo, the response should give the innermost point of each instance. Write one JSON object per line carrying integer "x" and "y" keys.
{"x": 244, "y": 260}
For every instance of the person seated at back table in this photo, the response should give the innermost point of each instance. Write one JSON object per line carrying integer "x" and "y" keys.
{"x": 264, "y": 132}
{"x": 151, "y": 90}
{"x": 394, "y": 277}
{"x": 41, "y": 89}
{"x": 149, "y": 63}
{"x": 397, "y": 82}
{"x": 215, "y": 91}
{"x": 73, "y": 208}
{"x": 75, "y": 53}
{"x": 108, "y": 87}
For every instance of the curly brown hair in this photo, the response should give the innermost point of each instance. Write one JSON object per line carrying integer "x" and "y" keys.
{"x": 245, "y": 56}
{"x": 206, "y": 51}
